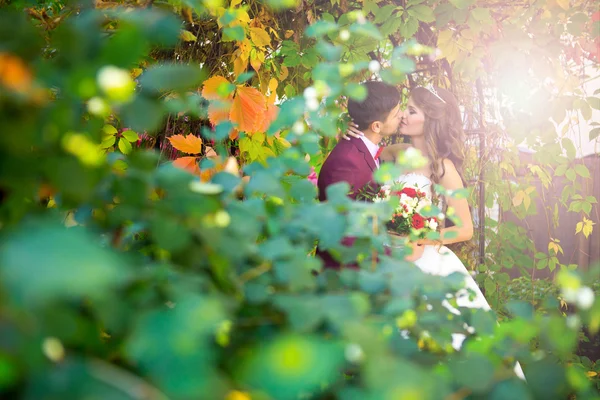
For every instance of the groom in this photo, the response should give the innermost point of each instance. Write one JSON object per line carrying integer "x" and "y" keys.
{"x": 354, "y": 161}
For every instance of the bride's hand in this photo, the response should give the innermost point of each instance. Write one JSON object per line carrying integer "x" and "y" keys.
{"x": 417, "y": 252}
{"x": 352, "y": 132}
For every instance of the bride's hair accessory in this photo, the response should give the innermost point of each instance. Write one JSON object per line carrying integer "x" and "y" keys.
{"x": 432, "y": 90}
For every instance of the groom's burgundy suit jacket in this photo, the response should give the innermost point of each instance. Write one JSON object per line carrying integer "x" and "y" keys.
{"x": 350, "y": 161}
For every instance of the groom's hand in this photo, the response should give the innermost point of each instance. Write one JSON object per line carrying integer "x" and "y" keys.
{"x": 417, "y": 252}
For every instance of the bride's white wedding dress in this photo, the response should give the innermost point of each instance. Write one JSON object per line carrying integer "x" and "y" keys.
{"x": 442, "y": 261}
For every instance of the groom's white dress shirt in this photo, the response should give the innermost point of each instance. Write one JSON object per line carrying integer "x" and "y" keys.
{"x": 372, "y": 147}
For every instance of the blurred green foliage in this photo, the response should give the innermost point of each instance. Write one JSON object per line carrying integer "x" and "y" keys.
{"x": 124, "y": 277}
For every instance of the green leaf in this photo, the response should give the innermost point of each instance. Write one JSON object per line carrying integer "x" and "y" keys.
{"x": 42, "y": 261}
{"x": 303, "y": 312}
{"x": 356, "y": 92}
{"x": 169, "y": 233}
{"x": 164, "y": 338}
{"x": 482, "y": 14}
{"x": 569, "y": 147}
{"x": 443, "y": 15}
{"x": 143, "y": 114}
{"x": 409, "y": 28}
{"x": 366, "y": 29}
{"x": 109, "y": 130}
{"x": 233, "y": 34}
{"x": 167, "y": 77}
{"x": 290, "y": 365}
{"x": 421, "y": 13}
{"x": 384, "y": 13}
{"x": 391, "y": 25}
{"x": 321, "y": 28}
{"x": 130, "y": 135}
{"x": 594, "y": 133}
{"x": 372, "y": 282}
{"x": 582, "y": 170}
{"x": 594, "y": 102}
{"x": 124, "y": 146}
{"x": 108, "y": 142}
{"x": 244, "y": 77}
{"x": 462, "y": 4}
{"x": 476, "y": 372}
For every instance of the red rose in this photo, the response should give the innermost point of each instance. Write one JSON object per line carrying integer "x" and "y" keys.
{"x": 417, "y": 221}
{"x": 410, "y": 192}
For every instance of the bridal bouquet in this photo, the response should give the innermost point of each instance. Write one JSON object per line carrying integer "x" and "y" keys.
{"x": 407, "y": 217}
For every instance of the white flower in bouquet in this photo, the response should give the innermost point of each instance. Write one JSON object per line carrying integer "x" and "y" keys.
{"x": 432, "y": 224}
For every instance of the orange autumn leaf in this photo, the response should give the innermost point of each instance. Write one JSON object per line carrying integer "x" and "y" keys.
{"x": 234, "y": 134}
{"x": 248, "y": 109}
{"x": 190, "y": 144}
{"x": 210, "y": 152}
{"x": 14, "y": 74}
{"x": 210, "y": 91}
{"x": 188, "y": 163}
{"x": 218, "y": 112}
{"x": 270, "y": 116}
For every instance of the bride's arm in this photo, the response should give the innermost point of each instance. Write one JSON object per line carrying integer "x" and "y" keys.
{"x": 452, "y": 181}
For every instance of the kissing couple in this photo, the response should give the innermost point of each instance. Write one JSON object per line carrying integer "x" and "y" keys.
{"x": 432, "y": 121}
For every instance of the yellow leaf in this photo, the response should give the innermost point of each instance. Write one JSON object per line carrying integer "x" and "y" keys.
{"x": 288, "y": 34}
{"x": 447, "y": 45}
{"x": 586, "y": 226}
{"x": 273, "y": 84}
{"x": 241, "y": 18}
{"x": 591, "y": 374}
{"x": 260, "y": 37}
{"x": 190, "y": 144}
{"x": 283, "y": 73}
{"x": 245, "y": 49}
{"x": 273, "y": 32}
{"x": 518, "y": 199}
{"x": 187, "y": 36}
{"x": 564, "y": 4}
{"x": 239, "y": 65}
{"x": 526, "y": 201}
{"x": 135, "y": 72}
{"x": 256, "y": 63}
{"x": 237, "y": 395}
{"x": 555, "y": 247}
{"x": 235, "y": 3}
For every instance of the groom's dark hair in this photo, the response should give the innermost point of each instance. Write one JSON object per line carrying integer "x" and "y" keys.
{"x": 380, "y": 101}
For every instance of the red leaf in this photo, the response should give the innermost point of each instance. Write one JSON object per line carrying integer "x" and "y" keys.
{"x": 190, "y": 144}
{"x": 249, "y": 107}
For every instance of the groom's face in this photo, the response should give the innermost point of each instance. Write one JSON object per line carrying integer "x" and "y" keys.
{"x": 392, "y": 122}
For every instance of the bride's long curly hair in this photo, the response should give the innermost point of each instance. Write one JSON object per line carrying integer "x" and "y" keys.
{"x": 442, "y": 128}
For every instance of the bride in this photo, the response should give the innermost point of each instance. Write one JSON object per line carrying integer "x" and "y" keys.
{"x": 432, "y": 121}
